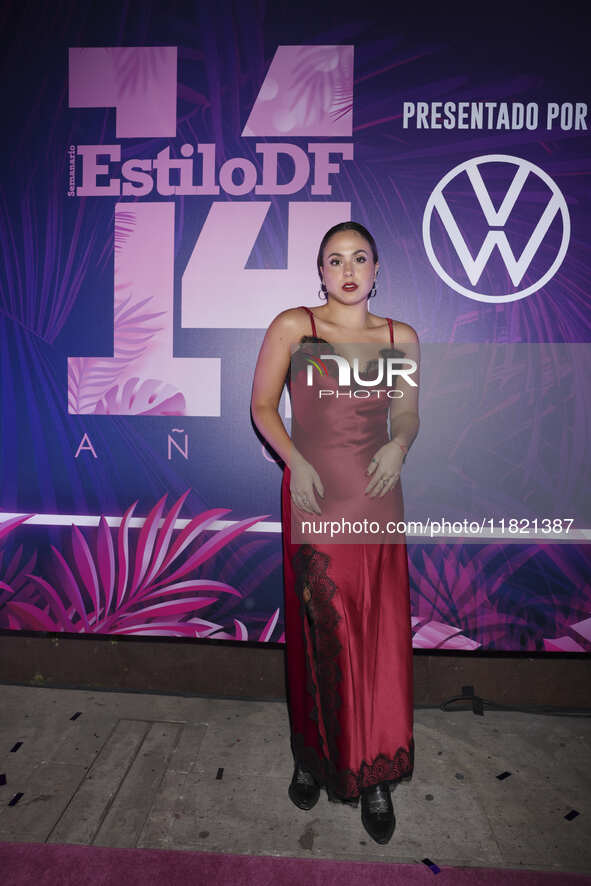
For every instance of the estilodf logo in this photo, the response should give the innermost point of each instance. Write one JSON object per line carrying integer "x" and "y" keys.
{"x": 497, "y": 254}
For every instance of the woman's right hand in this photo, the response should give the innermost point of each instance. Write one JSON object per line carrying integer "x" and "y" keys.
{"x": 305, "y": 484}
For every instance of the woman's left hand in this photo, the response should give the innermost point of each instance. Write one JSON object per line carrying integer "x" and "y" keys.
{"x": 385, "y": 469}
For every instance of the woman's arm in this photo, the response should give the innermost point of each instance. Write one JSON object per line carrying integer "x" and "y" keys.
{"x": 385, "y": 466}
{"x": 269, "y": 378}
{"x": 404, "y": 411}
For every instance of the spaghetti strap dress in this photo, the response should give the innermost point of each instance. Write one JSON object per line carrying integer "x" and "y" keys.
{"x": 347, "y": 609}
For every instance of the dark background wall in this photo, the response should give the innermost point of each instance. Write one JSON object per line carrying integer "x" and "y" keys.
{"x": 239, "y": 670}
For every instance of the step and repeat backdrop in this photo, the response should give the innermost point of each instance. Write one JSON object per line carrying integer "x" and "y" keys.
{"x": 168, "y": 173}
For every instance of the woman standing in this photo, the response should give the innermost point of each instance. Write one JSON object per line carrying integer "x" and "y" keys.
{"x": 347, "y": 605}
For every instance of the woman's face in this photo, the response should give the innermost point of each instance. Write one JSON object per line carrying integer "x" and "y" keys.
{"x": 348, "y": 269}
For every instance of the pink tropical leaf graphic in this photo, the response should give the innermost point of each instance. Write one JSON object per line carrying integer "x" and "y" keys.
{"x": 240, "y": 632}
{"x": 577, "y": 640}
{"x": 136, "y": 397}
{"x": 32, "y": 618}
{"x": 13, "y": 574}
{"x": 455, "y": 588}
{"x": 123, "y": 222}
{"x": 89, "y": 378}
{"x": 135, "y": 69}
{"x": 269, "y": 627}
{"x": 132, "y": 587}
{"x": 437, "y": 635}
{"x": 124, "y": 225}
{"x": 6, "y": 526}
{"x": 324, "y": 82}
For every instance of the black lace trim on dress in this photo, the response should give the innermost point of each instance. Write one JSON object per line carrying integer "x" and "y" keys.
{"x": 345, "y": 785}
{"x": 315, "y": 591}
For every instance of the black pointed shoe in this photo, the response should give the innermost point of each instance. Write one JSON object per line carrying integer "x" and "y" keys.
{"x": 303, "y": 790}
{"x": 377, "y": 813}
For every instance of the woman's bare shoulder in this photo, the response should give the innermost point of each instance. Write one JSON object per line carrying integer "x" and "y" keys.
{"x": 403, "y": 332}
{"x": 291, "y": 323}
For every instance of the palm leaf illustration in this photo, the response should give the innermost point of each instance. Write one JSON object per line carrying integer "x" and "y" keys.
{"x": 146, "y": 587}
{"x": 456, "y": 587}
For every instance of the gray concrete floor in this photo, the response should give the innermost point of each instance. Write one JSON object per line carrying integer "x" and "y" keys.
{"x": 140, "y": 770}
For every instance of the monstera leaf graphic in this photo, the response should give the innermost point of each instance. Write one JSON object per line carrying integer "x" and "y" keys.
{"x": 89, "y": 378}
{"x": 146, "y": 588}
{"x": 135, "y": 397}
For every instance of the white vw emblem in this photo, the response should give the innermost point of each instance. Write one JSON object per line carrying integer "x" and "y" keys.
{"x": 517, "y": 267}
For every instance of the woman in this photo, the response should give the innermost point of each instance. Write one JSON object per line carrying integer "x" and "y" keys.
{"x": 347, "y": 607}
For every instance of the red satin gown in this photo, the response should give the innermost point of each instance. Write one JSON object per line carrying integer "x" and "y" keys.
{"x": 347, "y": 612}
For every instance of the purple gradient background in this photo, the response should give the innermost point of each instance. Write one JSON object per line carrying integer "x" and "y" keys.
{"x": 56, "y": 288}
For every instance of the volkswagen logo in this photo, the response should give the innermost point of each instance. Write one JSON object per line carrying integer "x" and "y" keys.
{"x": 462, "y": 266}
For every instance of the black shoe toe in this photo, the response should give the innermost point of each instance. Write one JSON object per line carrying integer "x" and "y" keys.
{"x": 303, "y": 790}
{"x": 377, "y": 813}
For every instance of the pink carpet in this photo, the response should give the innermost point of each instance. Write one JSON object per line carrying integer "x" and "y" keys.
{"x": 42, "y": 864}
